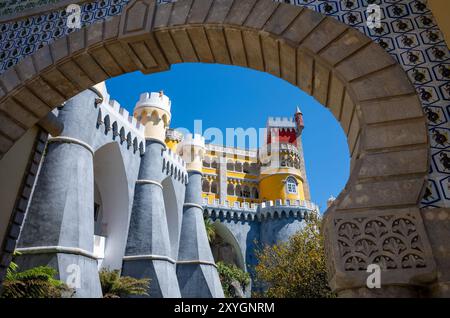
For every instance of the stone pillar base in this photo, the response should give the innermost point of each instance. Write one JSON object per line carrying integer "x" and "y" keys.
{"x": 205, "y": 279}
{"x": 77, "y": 271}
{"x": 163, "y": 279}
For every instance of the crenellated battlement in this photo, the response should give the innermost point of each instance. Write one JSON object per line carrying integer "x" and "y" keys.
{"x": 117, "y": 120}
{"x": 174, "y": 166}
{"x": 281, "y": 122}
{"x": 265, "y": 210}
{"x": 154, "y": 100}
{"x": 195, "y": 140}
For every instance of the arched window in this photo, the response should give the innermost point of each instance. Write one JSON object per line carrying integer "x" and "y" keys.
{"x": 129, "y": 140}
{"x": 135, "y": 145}
{"x": 115, "y": 130}
{"x": 205, "y": 186}
{"x": 238, "y": 191}
{"x": 230, "y": 165}
{"x": 246, "y": 167}
{"x": 290, "y": 162}
{"x": 214, "y": 164}
{"x": 214, "y": 188}
{"x": 238, "y": 166}
{"x": 255, "y": 193}
{"x": 207, "y": 162}
{"x": 107, "y": 122}
{"x": 291, "y": 185}
{"x": 246, "y": 192}
{"x": 230, "y": 189}
{"x": 122, "y": 135}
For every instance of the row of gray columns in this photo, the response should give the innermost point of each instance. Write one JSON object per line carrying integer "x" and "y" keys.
{"x": 148, "y": 253}
{"x": 59, "y": 226}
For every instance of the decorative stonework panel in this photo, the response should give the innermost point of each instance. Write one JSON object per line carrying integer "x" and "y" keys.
{"x": 394, "y": 239}
{"x": 390, "y": 240}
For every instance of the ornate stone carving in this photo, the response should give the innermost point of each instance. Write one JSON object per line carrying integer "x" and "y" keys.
{"x": 391, "y": 241}
{"x": 394, "y": 239}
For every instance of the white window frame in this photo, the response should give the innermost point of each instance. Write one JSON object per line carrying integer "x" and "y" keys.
{"x": 291, "y": 185}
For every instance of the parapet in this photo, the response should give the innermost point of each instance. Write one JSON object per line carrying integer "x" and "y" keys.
{"x": 155, "y": 100}
{"x": 174, "y": 166}
{"x": 258, "y": 212}
{"x": 195, "y": 140}
{"x": 118, "y": 120}
{"x": 281, "y": 122}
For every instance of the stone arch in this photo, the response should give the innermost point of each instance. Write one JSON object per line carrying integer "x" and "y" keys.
{"x": 112, "y": 184}
{"x": 365, "y": 89}
{"x": 172, "y": 216}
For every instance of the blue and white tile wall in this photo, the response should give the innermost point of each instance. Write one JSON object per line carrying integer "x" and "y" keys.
{"x": 408, "y": 32}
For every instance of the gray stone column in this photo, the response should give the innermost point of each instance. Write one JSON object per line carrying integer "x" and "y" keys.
{"x": 148, "y": 253}
{"x": 196, "y": 270}
{"x": 59, "y": 226}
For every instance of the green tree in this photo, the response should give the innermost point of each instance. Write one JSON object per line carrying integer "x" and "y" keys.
{"x": 115, "y": 286}
{"x": 210, "y": 230}
{"x": 38, "y": 282}
{"x": 229, "y": 274}
{"x": 295, "y": 269}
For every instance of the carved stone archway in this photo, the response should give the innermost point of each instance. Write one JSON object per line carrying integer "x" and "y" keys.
{"x": 376, "y": 218}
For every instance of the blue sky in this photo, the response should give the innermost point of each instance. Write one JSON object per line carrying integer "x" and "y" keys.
{"x": 231, "y": 97}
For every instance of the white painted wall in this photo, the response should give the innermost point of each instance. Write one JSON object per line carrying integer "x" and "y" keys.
{"x": 173, "y": 219}
{"x": 110, "y": 178}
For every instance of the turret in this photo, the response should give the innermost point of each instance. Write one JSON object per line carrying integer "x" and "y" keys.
{"x": 153, "y": 111}
{"x": 192, "y": 150}
{"x": 173, "y": 139}
{"x": 196, "y": 271}
{"x": 299, "y": 121}
{"x": 282, "y": 171}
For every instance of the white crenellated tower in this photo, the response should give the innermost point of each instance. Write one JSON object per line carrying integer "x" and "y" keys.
{"x": 192, "y": 149}
{"x": 153, "y": 111}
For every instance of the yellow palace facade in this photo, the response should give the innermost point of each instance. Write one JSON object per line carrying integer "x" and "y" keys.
{"x": 275, "y": 171}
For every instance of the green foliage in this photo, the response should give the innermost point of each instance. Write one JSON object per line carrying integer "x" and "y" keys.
{"x": 295, "y": 269}
{"x": 115, "y": 286}
{"x": 38, "y": 282}
{"x": 230, "y": 273}
{"x": 210, "y": 230}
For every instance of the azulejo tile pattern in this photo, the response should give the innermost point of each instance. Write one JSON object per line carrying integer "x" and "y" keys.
{"x": 408, "y": 32}
{"x": 9, "y": 7}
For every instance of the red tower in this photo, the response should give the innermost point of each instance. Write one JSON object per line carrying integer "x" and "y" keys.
{"x": 299, "y": 120}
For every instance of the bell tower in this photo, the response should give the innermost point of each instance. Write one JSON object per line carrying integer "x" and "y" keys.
{"x": 282, "y": 164}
